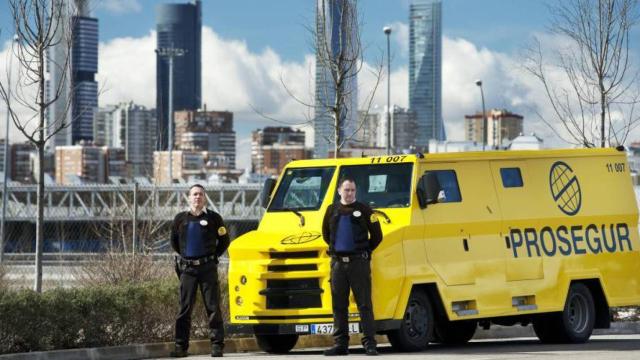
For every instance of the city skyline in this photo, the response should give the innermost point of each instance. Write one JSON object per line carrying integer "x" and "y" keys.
{"x": 241, "y": 73}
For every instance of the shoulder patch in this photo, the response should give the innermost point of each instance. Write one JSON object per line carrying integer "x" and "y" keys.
{"x": 373, "y": 218}
{"x": 222, "y": 231}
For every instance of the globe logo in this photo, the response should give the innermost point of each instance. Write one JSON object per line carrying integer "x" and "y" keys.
{"x": 565, "y": 188}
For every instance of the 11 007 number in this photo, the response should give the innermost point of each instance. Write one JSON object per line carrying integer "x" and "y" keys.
{"x": 616, "y": 167}
{"x": 387, "y": 159}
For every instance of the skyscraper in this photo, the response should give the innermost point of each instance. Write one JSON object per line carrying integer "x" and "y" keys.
{"x": 336, "y": 33}
{"x": 425, "y": 69}
{"x": 178, "y": 26}
{"x": 134, "y": 129}
{"x": 75, "y": 74}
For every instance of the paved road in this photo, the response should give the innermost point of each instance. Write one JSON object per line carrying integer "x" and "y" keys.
{"x": 599, "y": 347}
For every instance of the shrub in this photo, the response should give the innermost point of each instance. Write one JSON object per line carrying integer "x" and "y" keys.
{"x": 3, "y": 273}
{"x": 93, "y": 316}
{"x": 118, "y": 267}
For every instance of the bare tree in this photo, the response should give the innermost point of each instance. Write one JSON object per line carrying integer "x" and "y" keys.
{"x": 40, "y": 27}
{"x": 590, "y": 83}
{"x": 339, "y": 60}
{"x": 130, "y": 253}
{"x": 339, "y": 54}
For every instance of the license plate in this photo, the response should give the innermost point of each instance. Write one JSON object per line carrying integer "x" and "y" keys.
{"x": 302, "y": 328}
{"x": 327, "y": 329}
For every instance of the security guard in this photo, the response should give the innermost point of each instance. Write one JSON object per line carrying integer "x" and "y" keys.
{"x": 199, "y": 237}
{"x": 352, "y": 231}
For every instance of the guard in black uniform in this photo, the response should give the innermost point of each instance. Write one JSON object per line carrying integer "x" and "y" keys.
{"x": 199, "y": 237}
{"x": 352, "y": 231}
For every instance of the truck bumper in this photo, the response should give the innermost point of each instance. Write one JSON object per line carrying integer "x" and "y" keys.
{"x": 382, "y": 326}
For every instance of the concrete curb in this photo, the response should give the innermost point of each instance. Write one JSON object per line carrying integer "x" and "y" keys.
{"x": 232, "y": 345}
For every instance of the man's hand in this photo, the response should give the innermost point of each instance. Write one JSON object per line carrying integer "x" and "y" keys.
{"x": 177, "y": 265}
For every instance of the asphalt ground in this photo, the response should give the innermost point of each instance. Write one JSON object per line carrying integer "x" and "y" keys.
{"x": 610, "y": 347}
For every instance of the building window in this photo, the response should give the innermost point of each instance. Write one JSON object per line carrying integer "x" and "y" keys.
{"x": 511, "y": 177}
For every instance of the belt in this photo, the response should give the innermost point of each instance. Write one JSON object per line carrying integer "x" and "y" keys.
{"x": 198, "y": 261}
{"x": 349, "y": 258}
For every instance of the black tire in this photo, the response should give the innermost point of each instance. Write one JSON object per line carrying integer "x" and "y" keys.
{"x": 574, "y": 324}
{"x": 454, "y": 332}
{"x": 546, "y": 328}
{"x": 276, "y": 344}
{"x": 417, "y": 325}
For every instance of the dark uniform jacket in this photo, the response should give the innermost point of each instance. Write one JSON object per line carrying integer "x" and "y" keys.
{"x": 364, "y": 222}
{"x": 214, "y": 233}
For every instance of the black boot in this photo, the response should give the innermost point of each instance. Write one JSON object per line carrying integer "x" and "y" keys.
{"x": 179, "y": 352}
{"x": 371, "y": 350}
{"x": 337, "y": 350}
{"x": 216, "y": 351}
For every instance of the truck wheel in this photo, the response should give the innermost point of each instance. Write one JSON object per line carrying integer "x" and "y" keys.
{"x": 574, "y": 324}
{"x": 276, "y": 344}
{"x": 417, "y": 325}
{"x": 454, "y": 332}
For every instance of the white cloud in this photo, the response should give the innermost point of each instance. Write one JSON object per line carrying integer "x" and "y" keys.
{"x": 7, "y": 57}
{"x": 120, "y": 6}
{"x": 400, "y": 36}
{"x": 127, "y": 70}
{"x": 505, "y": 86}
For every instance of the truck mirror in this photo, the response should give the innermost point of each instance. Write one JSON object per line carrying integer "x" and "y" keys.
{"x": 267, "y": 189}
{"x": 428, "y": 189}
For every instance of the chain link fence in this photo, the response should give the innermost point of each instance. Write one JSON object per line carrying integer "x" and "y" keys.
{"x": 109, "y": 233}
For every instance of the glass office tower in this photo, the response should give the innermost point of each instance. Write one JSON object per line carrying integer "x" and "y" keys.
{"x": 178, "y": 26}
{"x": 336, "y": 28}
{"x": 425, "y": 69}
{"x": 73, "y": 73}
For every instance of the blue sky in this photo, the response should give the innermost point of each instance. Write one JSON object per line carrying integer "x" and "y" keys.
{"x": 500, "y": 25}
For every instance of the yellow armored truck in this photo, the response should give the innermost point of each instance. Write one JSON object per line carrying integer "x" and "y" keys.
{"x": 470, "y": 239}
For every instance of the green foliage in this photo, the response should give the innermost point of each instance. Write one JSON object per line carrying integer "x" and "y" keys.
{"x": 94, "y": 316}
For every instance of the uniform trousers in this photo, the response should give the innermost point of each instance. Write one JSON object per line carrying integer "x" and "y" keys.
{"x": 204, "y": 276}
{"x": 353, "y": 275}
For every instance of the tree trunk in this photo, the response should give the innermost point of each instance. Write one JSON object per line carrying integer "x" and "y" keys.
{"x": 40, "y": 218}
{"x": 602, "y": 114}
{"x": 336, "y": 145}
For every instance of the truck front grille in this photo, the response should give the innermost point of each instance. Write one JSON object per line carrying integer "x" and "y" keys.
{"x": 293, "y": 255}
{"x": 294, "y": 267}
{"x": 293, "y": 293}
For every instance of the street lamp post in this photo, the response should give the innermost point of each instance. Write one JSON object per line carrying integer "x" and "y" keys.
{"x": 170, "y": 53}
{"x": 484, "y": 116}
{"x": 387, "y": 31}
{"x": 5, "y": 166}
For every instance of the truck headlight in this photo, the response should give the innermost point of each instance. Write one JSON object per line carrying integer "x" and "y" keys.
{"x": 243, "y": 279}
{"x": 239, "y": 300}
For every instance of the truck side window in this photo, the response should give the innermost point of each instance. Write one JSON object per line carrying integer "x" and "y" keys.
{"x": 511, "y": 177}
{"x": 449, "y": 184}
{"x": 380, "y": 185}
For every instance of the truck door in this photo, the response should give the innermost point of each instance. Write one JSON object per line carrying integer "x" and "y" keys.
{"x": 461, "y": 230}
{"x": 517, "y": 197}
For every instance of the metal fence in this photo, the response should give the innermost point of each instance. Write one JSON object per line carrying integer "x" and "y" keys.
{"x": 83, "y": 223}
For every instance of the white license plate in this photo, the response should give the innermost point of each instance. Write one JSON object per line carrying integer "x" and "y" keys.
{"x": 327, "y": 329}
